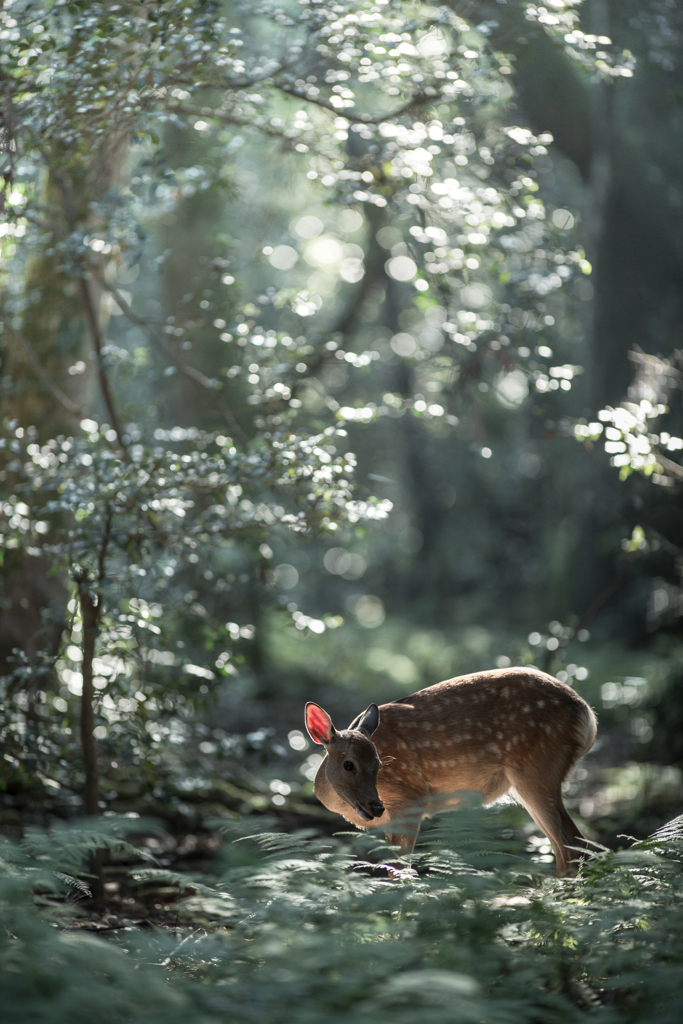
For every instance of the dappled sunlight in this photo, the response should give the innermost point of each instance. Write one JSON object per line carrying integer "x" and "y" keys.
{"x": 304, "y": 310}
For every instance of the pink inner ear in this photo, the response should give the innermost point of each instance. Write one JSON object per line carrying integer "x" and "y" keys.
{"x": 318, "y": 723}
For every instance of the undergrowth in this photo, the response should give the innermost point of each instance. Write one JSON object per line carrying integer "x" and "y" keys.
{"x": 297, "y": 928}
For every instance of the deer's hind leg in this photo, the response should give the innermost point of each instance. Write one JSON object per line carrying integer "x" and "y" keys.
{"x": 496, "y": 787}
{"x": 572, "y": 834}
{"x": 544, "y": 803}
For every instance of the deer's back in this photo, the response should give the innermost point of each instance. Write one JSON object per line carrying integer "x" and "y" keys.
{"x": 457, "y": 733}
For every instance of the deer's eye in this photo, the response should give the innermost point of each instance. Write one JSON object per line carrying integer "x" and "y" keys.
{"x": 348, "y": 765}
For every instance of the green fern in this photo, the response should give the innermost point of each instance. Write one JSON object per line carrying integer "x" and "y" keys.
{"x": 297, "y": 929}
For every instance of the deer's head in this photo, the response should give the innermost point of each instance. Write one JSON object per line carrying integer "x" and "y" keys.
{"x": 352, "y": 761}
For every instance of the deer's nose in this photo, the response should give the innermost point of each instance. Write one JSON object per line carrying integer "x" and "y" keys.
{"x": 376, "y": 808}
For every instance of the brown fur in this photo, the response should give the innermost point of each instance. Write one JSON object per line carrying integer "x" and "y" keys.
{"x": 512, "y": 730}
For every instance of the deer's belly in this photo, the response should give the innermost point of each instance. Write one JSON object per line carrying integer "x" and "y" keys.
{"x": 444, "y": 781}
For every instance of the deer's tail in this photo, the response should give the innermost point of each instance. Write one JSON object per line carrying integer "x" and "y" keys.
{"x": 586, "y": 730}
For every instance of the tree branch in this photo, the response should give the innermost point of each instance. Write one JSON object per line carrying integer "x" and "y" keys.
{"x": 417, "y": 101}
{"x": 196, "y": 111}
{"x": 188, "y": 371}
{"x": 159, "y": 343}
{"x": 55, "y": 390}
{"x": 102, "y": 557}
{"x": 91, "y": 315}
{"x": 670, "y": 467}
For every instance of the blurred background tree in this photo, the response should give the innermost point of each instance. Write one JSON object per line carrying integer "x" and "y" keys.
{"x": 250, "y": 242}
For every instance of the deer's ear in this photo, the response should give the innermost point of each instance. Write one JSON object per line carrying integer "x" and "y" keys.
{"x": 319, "y": 724}
{"x": 369, "y": 721}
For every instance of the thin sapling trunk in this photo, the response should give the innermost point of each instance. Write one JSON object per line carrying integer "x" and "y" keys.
{"x": 91, "y": 793}
{"x": 91, "y": 615}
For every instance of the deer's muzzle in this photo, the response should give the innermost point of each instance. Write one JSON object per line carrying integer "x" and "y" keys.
{"x": 374, "y": 810}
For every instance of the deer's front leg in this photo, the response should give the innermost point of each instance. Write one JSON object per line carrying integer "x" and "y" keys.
{"x": 404, "y": 835}
{"x": 403, "y": 815}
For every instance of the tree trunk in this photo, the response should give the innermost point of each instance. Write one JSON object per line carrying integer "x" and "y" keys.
{"x": 52, "y": 337}
{"x": 90, "y": 616}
